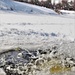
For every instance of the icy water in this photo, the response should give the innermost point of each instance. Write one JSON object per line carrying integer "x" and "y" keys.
{"x": 51, "y": 60}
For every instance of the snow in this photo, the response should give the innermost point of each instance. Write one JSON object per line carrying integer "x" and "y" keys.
{"x": 67, "y": 12}
{"x": 27, "y": 26}
{"x": 22, "y": 27}
{"x": 31, "y": 27}
{"x": 24, "y": 7}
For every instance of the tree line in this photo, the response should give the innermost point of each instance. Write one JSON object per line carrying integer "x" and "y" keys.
{"x": 64, "y": 4}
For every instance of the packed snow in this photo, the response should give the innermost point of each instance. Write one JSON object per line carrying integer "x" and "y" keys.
{"x": 33, "y": 27}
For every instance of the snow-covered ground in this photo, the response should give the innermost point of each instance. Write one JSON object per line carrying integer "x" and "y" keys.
{"x": 29, "y": 26}
{"x": 21, "y": 25}
{"x": 25, "y": 24}
{"x": 68, "y": 13}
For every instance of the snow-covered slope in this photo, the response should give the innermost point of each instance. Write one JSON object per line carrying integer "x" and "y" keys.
{"x": 6, "y": 4}
{"x": 24, "y": 7}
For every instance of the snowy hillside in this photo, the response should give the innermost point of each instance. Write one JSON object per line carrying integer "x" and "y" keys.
{"x": 24, "y": 7}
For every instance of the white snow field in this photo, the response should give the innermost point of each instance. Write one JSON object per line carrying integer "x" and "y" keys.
{"x": 29, "y": 26}
{"x": 20, "y": 26}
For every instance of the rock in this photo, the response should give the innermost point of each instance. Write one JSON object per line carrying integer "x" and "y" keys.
{"x": 27, "y": 56}
{"x": 2, "y": 72}
{"x": 42, "y": 51}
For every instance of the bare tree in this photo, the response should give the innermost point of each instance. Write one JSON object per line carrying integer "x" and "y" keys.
{"x": 74, "y": 5}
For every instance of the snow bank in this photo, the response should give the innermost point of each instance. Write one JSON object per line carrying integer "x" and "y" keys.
{"x": 67, "y": 12}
